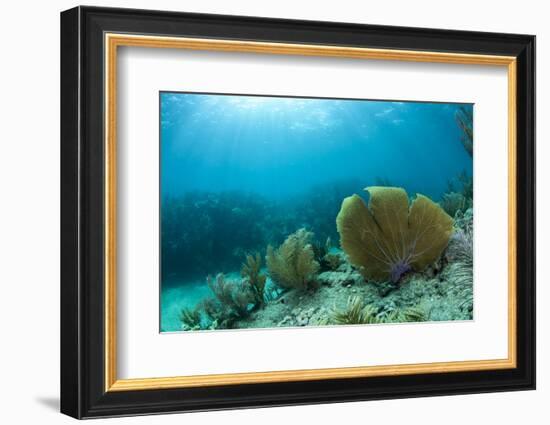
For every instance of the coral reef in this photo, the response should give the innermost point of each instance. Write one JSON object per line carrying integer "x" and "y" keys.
{"x": 369, "y": 282}
{"x": 293, "y": 265}
{"x": 387, "y": 239}
{"x": 465, "y": 119}
{"x": 208, "y": 232}
{"x": 343, "y": 297}
{"x": 200, "y": 231}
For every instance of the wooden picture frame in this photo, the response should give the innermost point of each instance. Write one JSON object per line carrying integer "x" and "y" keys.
{"x": 90, "y": 39}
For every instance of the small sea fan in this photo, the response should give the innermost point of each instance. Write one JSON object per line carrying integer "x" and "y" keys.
{"x": 250, "y": 271}
{"x": 293, "y": 265}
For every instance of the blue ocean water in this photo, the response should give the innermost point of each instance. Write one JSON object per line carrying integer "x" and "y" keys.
{"x": 239, "y": 172}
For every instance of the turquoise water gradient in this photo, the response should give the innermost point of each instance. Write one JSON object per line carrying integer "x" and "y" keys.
{"x": 278, "y": 146}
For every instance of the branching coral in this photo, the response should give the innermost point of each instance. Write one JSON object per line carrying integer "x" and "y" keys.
{"x": 387, "y": 239}
{"x": 250, "y": 271}
{"x": 293, "y": 265}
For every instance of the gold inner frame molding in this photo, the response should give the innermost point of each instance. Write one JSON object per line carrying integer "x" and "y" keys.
{"x": 113, "y": 41}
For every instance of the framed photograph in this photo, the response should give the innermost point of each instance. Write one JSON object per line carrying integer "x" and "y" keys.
{"x": 261, "y": 212}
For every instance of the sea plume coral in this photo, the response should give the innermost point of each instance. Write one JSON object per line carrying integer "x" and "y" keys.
{"x": 461, "y": 247}
{"x": 460, "y": 284}
{"x": 231, "y": 294}
{"x": 355, "y": 313}
{"x": 293, "y": 264}
{"x": 190, "y": 318}
{"x": 250, "y": 271}
{"x": 387, "y": 239}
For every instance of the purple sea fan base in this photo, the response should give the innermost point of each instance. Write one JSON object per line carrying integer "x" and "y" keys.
{"x": 399, "y": 269}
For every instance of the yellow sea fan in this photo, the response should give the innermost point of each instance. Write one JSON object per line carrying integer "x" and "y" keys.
{"x": 386, "y": 239}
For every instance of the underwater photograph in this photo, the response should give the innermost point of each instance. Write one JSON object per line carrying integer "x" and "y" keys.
{"x": 280, "y": 212}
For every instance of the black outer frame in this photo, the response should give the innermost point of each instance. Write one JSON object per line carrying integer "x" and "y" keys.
{"x": 82, "y": 219}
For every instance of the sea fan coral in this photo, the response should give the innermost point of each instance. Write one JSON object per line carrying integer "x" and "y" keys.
{"x": 387, "y": 239}
{"x": 293, "y": 264}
